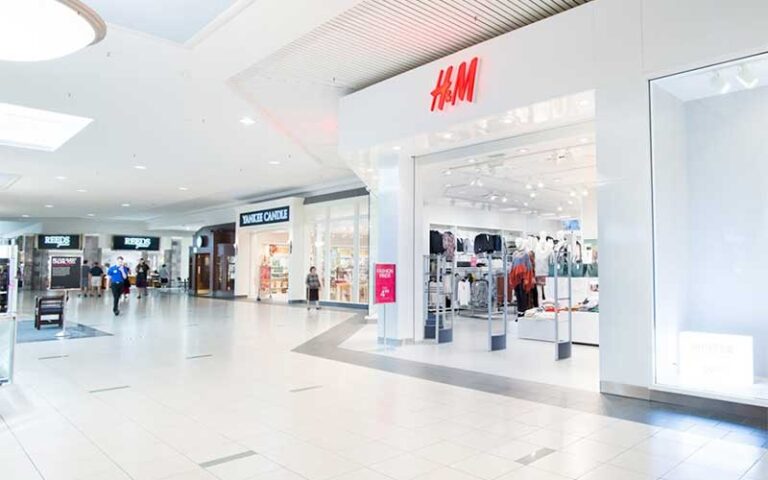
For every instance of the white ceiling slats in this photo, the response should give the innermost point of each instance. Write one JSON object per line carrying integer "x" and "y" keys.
{"x": 378, "y": 39}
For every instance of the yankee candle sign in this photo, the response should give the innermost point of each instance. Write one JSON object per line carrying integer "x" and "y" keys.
{"x": 265, "y": 217}
{"x": 386, "y": 282}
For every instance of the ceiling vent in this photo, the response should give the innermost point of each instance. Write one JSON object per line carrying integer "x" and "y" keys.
{"x": 378, "y": 39}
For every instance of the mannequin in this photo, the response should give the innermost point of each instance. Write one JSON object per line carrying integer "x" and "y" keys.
{"x": 543, "y": 254}
{"x": 520, "y": 243}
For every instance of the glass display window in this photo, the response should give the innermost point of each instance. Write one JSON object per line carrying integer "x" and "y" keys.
{"x": 711, "y": 227}
{"x": 337, "y": 235}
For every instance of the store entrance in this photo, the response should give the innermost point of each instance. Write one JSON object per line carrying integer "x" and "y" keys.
{"x": 203, "y": 273}
{"x": 506, "y": 267}
{"x": 270, "y": 265}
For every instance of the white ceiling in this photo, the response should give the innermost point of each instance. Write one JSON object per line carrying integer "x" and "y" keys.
{"x": 174, "y": 108}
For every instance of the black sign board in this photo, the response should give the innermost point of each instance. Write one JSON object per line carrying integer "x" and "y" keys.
{"x": 65, "y": 272}
{"x": 135, "y": 242}
{"x": 58, "y": 241}
{"x": 265, "y": 217}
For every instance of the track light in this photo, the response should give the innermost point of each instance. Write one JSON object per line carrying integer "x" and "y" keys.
{"x": 448, "y": 172}
{"x": 533, "y": 195}
{"x": 540, "y": 184}
{"x": 504, "y": 199}
{"x": 528, "y": 186}
{"x": 746, "y": 77}
{"x": 720, "y": 84}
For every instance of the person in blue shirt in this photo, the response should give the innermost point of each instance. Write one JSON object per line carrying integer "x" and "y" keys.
{"x": 118, "y": 275}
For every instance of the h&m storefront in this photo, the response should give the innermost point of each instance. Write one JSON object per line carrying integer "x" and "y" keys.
{"x": 279, "y": 241}
{"x": 584, "y": 191}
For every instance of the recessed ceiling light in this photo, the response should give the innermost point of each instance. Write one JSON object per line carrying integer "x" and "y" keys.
{"x": 494, "y": 197}
{"x": 471, "y": 160}
{"x": 448, "y": 172}
{"x": 140, "y": 167}
{"x": 448, "y": 185}
{"x": 583, "y": 103}
{"x": 274, "y": 162}
{"x": 81, "y": 190}
{"x": 523, "y": 150}
{"x": 570, "y": 202}
{"x": 49, "y": 206}
{"x": 504, "y": 199}
{"x": 61, "y": 177}
{"x": 559, "y": 208}
{"x": 91, "y": 214}
{"x": 540, "y": 184}
{"x": 44, "y": 30}
{"x": 25, "y": 216}
{"x": 528, "y": 186}
{"x": 479, "y": 183}
{"x": 585, "y": 192}
{"x": 507, "y": 120}
{"x": 584, "y": 140}
{"x": 25, "y": 127}
{"x": 125, "y": 204}
{"x": 572, "y": 193}
{"x": 533, "y": 195}
{"x": 183, "y": 189}
{"x": 447, "y": 135}
{"x": 525, "y": 204}
{"x": 247, "y": 121}
{"x": 396, "y": 148}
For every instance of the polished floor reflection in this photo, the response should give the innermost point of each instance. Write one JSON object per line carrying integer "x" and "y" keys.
{"x": 191, "y": 388}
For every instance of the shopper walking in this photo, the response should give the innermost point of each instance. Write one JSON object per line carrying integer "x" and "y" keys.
{"x": 96, "y": 278}
{"x": 118, "y": 277}
{"x": 127, "y": 283}
{"x": 165, "y": 276}
{"x": 313, "y": 288}
{"x": 142, "y": 277}
{"x": 85, "y": 270}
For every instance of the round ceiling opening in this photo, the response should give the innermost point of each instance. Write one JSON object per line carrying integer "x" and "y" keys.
{"x": 36, "y": 30}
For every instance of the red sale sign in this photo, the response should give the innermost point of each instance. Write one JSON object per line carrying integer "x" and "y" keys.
{"x": 385, "y": 278}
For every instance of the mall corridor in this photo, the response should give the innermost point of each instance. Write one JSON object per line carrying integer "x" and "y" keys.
{"x": 383, "y": 240}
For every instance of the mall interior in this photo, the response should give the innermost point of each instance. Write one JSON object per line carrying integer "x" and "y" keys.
{"x": 383, "y": 240}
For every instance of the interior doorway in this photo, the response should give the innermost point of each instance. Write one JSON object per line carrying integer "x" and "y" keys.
{"x": 270, "y": 264}
{"x": 203, "y": 273}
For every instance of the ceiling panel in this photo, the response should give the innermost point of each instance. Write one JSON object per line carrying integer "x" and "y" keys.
{"x": 378, "y": 39}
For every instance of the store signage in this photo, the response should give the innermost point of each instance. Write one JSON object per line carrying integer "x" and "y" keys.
{"x": 58, "y": 242}
{"x": 573, "y": 225}
{"x": 265, "y": 217}
{"x": 65, "y": 273}
{"x": 716, "y": 360}
{"x": 135, "y": 242}
{"x": 450, "y": 88}
{"x": 385, "y": 282}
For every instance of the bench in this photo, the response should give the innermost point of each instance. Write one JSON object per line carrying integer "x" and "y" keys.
{"x": 49, "y": 306}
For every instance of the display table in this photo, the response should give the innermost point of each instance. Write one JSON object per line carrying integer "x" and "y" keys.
{"x": 586, "y": 327}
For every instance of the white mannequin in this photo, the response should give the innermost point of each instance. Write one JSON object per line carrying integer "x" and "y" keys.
{"x": 520, "y": 244}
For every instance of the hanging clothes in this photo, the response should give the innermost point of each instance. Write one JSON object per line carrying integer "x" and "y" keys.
{"x": 449, "y": 245}
{"x": 479, "y": 298}
{"x": 464, "y": 293}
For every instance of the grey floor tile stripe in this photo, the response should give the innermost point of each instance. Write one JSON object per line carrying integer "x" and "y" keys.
{"x": 109, "y": 389}
{"x": 304, "y": 389}
{"x": 231, "y": 458}
{"x": 537, "y": 455}
{"x": 199, "y": 356}
{"x": 52, "y": 357}
{"x": 326, "y": 345}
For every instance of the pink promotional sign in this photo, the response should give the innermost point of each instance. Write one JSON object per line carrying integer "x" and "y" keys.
{"x": 385, "y": 278}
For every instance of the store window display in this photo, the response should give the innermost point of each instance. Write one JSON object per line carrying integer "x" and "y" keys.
{"x": 337, "y": 245}
{"x": 711, "y": 228}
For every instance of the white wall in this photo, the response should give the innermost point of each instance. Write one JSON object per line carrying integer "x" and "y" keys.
{"x": 613, "y": 47}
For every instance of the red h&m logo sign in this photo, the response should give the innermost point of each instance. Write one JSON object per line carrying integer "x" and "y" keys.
{"x": 450, "y": 89}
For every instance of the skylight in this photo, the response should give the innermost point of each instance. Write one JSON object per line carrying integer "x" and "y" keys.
{"x": 25, "y": 127}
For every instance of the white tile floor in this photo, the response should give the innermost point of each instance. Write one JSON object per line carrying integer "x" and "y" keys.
{"x": 233, "y": 415}
{"x": 523, "y": 359}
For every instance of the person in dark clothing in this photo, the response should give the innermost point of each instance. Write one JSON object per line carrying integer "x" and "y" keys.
{"x": 118, "y": 277}
{"x": 142, "y": 277}
{"x": 96, "y": 274}
{"x": 313, "y": 288}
